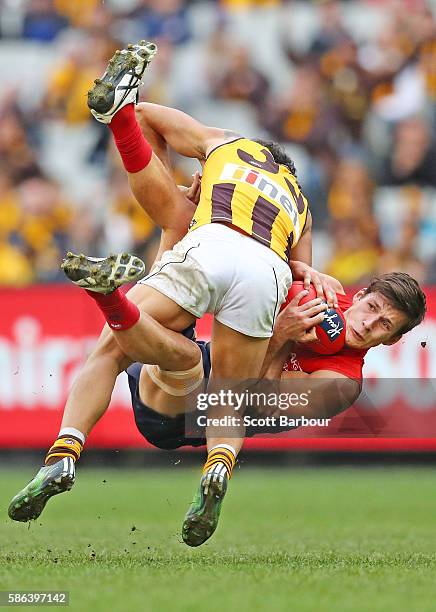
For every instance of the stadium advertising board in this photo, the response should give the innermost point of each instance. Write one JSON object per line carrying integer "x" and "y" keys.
{"x": 46, "y": 332}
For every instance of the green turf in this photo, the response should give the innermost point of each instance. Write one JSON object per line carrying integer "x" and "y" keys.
{"x": 288, "y": 539}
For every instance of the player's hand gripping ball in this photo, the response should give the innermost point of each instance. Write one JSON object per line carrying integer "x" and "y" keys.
{"x": 331, "y": 332}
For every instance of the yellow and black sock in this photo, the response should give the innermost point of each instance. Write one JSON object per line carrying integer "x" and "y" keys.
{"x": 220, "y": 460}
{"x": 64, "y": 446}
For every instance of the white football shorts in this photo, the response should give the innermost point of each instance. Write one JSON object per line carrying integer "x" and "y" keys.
{"x": 218, "y": 270}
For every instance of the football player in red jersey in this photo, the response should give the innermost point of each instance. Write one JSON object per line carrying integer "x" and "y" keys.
{"x": 381, "y": 313}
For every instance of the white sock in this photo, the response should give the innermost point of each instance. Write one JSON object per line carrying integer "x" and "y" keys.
{"x": 71, "y": 431}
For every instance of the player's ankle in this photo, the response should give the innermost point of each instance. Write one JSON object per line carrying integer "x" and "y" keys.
{"x": 221, "y": 460}
{"x": 135, "y": 151}
{"x": 69, "y": 443}
{"x": 120, "y": 313}
{"x": 123, "y": 120}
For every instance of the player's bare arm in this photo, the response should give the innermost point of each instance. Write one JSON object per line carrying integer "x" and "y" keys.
{"x": 301, "y": 266}
{"x": 183, "y": 133}
{"x": 303, "y": 250}
{"x": 330, "y": 393}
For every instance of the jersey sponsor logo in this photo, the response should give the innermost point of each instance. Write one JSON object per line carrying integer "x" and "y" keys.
{"x": 267, "y": 186}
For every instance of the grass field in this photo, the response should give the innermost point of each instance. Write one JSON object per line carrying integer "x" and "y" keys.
{"x": 319, "y": 539}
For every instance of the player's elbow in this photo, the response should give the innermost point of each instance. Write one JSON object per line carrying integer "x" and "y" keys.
{"x": 332, "y": 396}
{"x": 347, "y": 392}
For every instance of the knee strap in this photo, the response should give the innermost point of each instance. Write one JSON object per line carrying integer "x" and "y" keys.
{"x": 177, "y": 383}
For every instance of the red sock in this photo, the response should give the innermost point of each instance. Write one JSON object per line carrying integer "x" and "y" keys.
{"x": 134, "y": 149}
{"x": 119, "y": 312}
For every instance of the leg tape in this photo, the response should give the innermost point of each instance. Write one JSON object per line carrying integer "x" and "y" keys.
{"x": 177, "y": 383}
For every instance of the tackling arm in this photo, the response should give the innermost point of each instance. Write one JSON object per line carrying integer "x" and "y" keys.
{"x": 303, "y": 250}
{"x": 301, "y": 262}
{"x": 330, "y": 393}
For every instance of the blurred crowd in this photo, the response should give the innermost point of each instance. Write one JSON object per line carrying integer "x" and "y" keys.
{"x": 349, "y": 88}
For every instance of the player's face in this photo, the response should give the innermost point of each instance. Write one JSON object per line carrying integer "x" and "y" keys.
{"x": 371, "y": 320}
